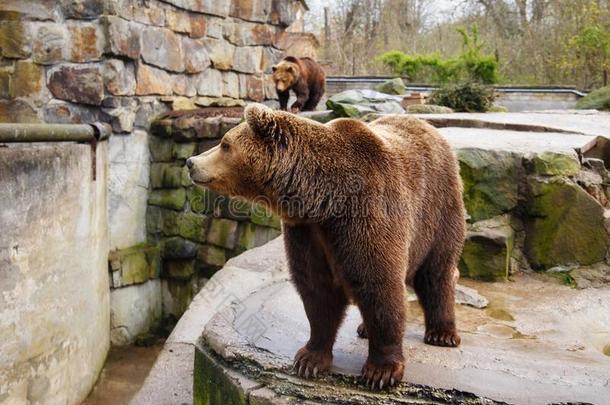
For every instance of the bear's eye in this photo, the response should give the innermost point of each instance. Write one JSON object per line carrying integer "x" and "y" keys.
{"x": 225, "y": 146}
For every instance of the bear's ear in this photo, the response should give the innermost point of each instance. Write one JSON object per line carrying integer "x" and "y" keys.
{"x": 274, "y": 68}
{"x": 265, "y": 122}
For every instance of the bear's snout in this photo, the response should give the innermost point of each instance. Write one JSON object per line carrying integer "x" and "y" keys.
{"x": 189, "y": 163}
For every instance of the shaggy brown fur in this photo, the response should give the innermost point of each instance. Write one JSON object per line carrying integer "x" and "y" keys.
{"x": 367, "y": 210}
{"x": 305, "y": 77}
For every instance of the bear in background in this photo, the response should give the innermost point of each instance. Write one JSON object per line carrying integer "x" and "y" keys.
{"x": 305, "y": 77}
{"x": 366, "y": 209}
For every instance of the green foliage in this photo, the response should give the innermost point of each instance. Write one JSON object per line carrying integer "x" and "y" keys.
{"x": 597, "y": 100}
{"x": 470, "y": 65}
{"x": 465, "y": 97}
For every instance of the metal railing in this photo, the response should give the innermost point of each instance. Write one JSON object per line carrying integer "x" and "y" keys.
{"x": 95, "y": 132}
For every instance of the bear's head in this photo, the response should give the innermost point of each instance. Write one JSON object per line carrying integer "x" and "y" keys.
{"x": 250, "y": 157}
{"x": 285, "y": 75}
{"x": 299, "y": 168}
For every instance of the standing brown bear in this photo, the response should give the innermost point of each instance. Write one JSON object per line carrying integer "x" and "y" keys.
{"x": 305, "y": 77}
{"x": 366, "y": 210}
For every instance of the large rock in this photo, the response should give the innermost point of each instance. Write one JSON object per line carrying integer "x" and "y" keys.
{"x": 595, "y": 276}
{"x": 491, "y": 181}
{"x": 488, "y": 250}
{"x": 555, "y": 164}
{"x": 230, "y": 84}
{"x": 162, "y": 48}
{"x": 564, "y": 225}
{"x": 394, "y": 86}
{"x": 79, "y": 84}
{"x": 284, "y": 12}
{"x": 358, "y": 103}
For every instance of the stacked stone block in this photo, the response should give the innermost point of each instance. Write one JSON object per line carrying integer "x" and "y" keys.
{"x": 197, "y": 230}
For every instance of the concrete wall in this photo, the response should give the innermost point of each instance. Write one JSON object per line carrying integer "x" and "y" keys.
{"x": 54, "y": 296}
{"x": 532, "y": 99}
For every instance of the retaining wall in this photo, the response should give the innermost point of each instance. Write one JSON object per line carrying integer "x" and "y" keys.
{"x": 54, "y": 296}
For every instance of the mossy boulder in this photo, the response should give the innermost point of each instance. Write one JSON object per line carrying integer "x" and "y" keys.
{"x": 555, "y": 164}
{"x": 488, "y": 250}
{"x": 564, "y": 225}
{"x": 491, "y": 181}
{"x": 595, "y": 276}
{"x": 173, "y": 199}
{"x": 392, "y": 86}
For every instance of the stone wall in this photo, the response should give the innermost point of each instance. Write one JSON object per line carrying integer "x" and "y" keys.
{"x": 197, "y": 230}
{"x": 54, "y": 296}
{"x": 125, "y": 62}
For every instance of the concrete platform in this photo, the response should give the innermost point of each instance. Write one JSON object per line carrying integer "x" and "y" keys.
{"x": 538, "y": 342}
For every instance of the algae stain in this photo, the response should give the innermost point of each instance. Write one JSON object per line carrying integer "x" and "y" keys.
{"x": 606, "y": 350}
{"x": 500, "y": 314}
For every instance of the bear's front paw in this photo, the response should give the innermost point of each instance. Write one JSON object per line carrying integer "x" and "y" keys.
{"x": 446, "y": 338}
{"x": 312, "y": 362}
{"x": 384, "y": 373}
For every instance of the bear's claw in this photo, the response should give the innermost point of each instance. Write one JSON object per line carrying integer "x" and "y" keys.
{"x": 311, "y": 363}
{"x": 362, "y": 332}
{"x": 380, "y": 376}
{"x": 442, "y": 338}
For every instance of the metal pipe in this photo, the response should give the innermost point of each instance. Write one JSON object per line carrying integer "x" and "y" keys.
{"x": 54, "y": 132}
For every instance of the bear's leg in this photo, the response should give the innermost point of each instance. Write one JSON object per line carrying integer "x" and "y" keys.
{"x": 283, "y": 97}
{"x": 325, "y": 302}
{"x": 434, "y": 285}
{"x": 313, "y": 100}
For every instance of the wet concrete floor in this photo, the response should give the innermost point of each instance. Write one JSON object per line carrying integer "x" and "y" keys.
{"x": 123, "y": 374}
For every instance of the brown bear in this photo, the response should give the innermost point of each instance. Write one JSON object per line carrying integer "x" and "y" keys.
{"x": 305, "y": 77}
{"x": 367, "y": 209}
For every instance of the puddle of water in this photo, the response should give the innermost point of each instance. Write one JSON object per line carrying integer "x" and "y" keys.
{"x": 500, "y": 314}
